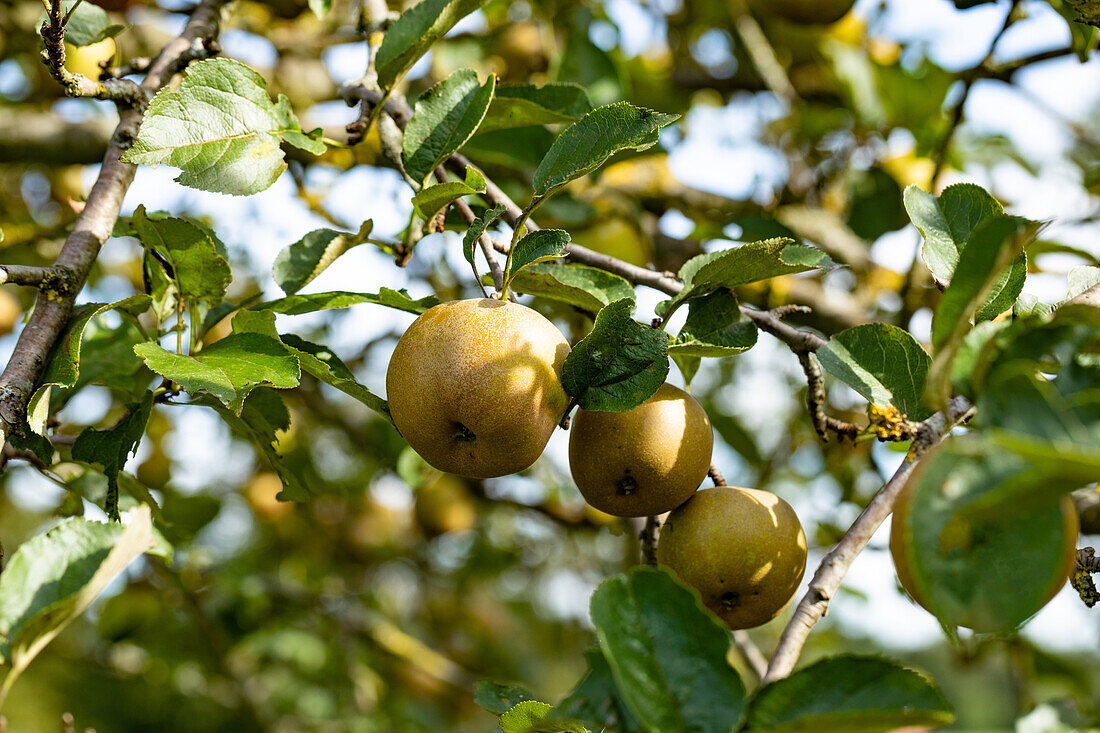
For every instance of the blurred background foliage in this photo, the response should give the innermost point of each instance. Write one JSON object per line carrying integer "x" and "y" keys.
{"x": 377, "y": 605}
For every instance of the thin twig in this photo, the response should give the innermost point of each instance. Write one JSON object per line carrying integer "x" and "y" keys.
{"x": 648, "y": 537}
{"x": 969, "y": 76}
{"x": 751, "y": 653}
{"x": 716, "y": 476}
{"x": 835, "y": 565}
{"x": 1081, "y": 580}
{"x": 485, "y": 241}
{"x": 815, "y": 394}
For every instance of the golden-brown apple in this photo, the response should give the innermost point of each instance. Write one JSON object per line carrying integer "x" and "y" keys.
{"x": 474, "y": 386}
{"x": 743, "y": 550}
{"x": 644, "y": 461}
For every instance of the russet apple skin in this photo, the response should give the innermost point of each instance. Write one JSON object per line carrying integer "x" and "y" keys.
{"x": 743, "y": 550}
{"x": 474, "y": 386}
{"x": 644, "y": 461}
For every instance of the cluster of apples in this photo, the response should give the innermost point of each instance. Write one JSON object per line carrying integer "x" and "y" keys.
{"x": 475, "y": 387}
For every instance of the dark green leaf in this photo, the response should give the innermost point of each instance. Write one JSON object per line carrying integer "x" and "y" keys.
{"x": 538, "y": 246}
{"x": 976, "y": 561}
{"x": 520, "y": 148}
{"x": 428, "y": 201}
{"x": 715, "y": 326}
{"x": 112, "y": 448}
{"x": 327, "y": 367}
{"x": 748, "y": 263}
{"x": 521, "y": 105}
{"x": 881, "y": 362}
{"x": 411, "y": 35}
{"x": 619, "y": 365}
{"x": 991, "y": 248}
{"x": 263, "y": 415}
{"x": 947, "y": 221}
{"x": 444, "y": 118}
{"x": 585, "y": 145}
{"x": 296, "y": 305}
{"x": 185, "y": 515}
{"x": 199, "y": 270}
{"x": 304, "y": 260}
{"x": 1005, "y": 290}
{"x": 850, "y": 693}
{"x": 596, "y": 700}
{"x": 221, "y": 128}
{"x": 688, "y": 366}
{"x": 667, "y": 654}
{"x": 588, "y": 288}
{"x": 476, "y": 230}
{"x": 498, "y": 698}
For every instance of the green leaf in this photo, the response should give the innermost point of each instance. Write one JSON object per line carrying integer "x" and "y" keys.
{"x": 987, "y": 570}
{"x": 992, "y": 247}
{"x": 477, "y": 228}
{"x": 883, "y": 363}
{"x": 297, "y": 305}
{"x": 688, "y": 365}
{"x": 534, "y": 717}
{"x": 88, "y": 24}
{"x": 444, "y": 118}
{"x": 199, "y": 270}
{"x": 748, "y": 263}
{"x": 521, "y": 148}
{"x": 1053, "y": 424}
{"x": 229, "y": 369}
{"x": 221, "y": 128}
{"x": 619, "y": 365}
{"x": 112, "y": 448}
{"x": 586, "y": 144}
{"x": 1081, "y": 279}
{"x": 596, "y": 699}
{"x": 855, "y": 694}
{"x": 264, "y": 414}
{"x": 1083, "y": 37}
{"x": 411, "y": 35}
{"x": 587, "y": 288}
{"x": 522, "y": 105}
{"x": 327, "y": 367}
{"x": 64, "y": 366}
{"x": 304, "y": 260}
{"x": 667, "y": 654}
{"x": 1005, "y": 290}
{"x": 498, "y": 698}
{"x": 54, "y": 577}
{"x": 715, "y": 326}
{"x": 538, "y": 246}
{"x": 947, "y": 221}
{"x": 320, "y": 8}
{"x": 430, "y": 200}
